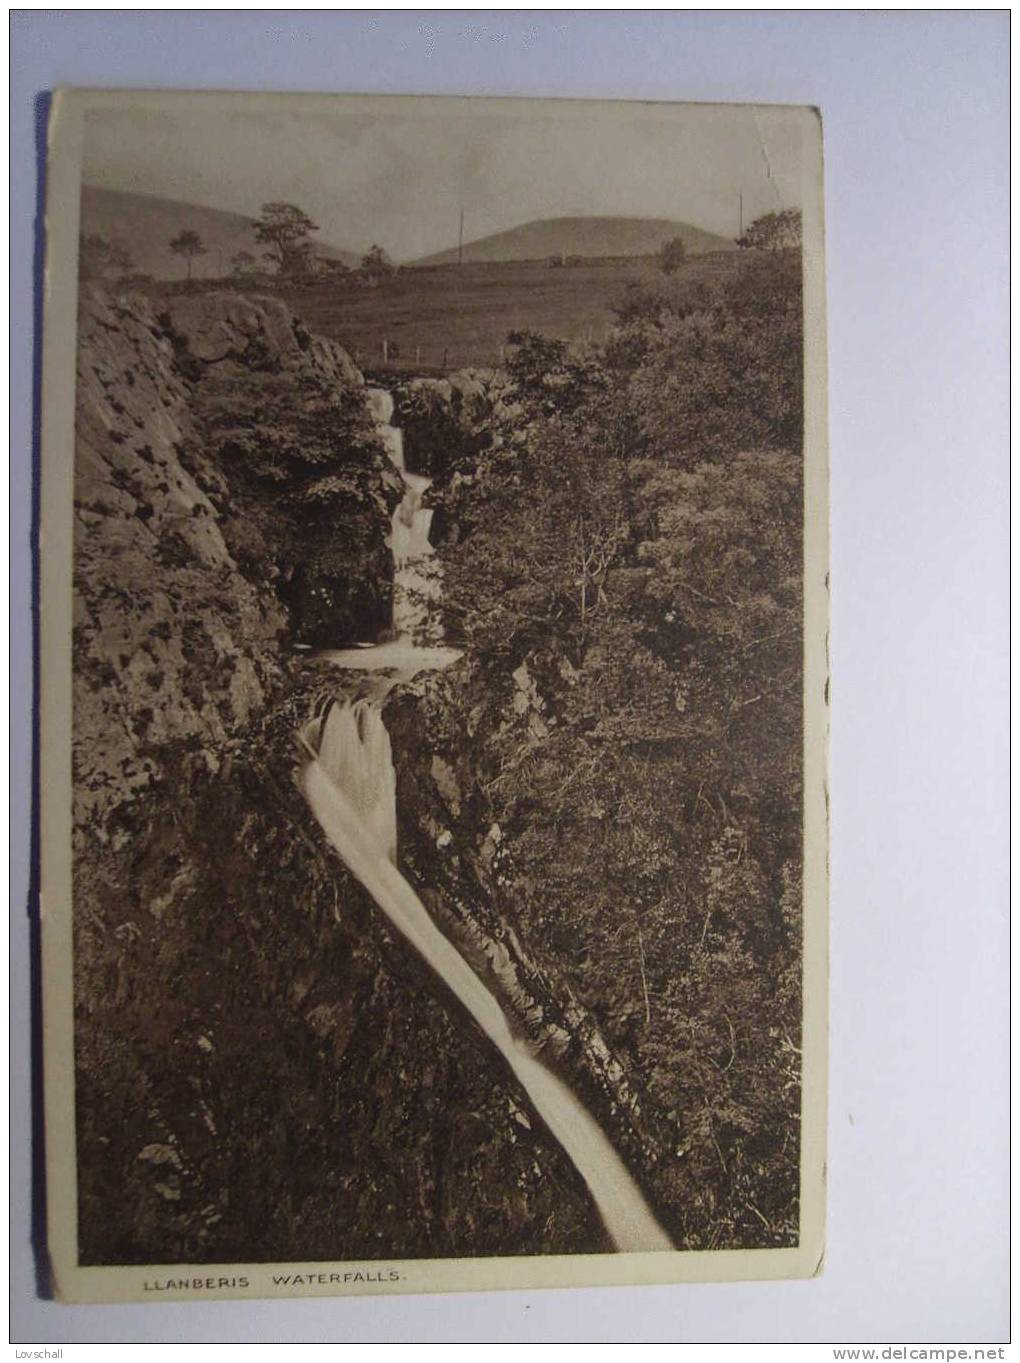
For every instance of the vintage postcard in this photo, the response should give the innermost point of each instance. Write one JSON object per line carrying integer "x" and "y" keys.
{"x": 434, "y": 694}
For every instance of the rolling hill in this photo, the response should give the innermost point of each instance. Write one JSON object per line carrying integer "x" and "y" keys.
{"x": 583, "y": 237}
{"x": 145, "y": 224}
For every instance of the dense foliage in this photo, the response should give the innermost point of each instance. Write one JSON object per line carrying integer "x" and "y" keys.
{"x": 286, "y": 230}
{"x": 629, "y": 553}
{"x": 777, "y": 231}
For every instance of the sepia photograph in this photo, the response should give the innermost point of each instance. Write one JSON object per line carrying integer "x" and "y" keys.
{"x": 434, "y": 694}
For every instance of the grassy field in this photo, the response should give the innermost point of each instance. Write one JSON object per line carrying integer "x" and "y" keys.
{"x": 454, "y": 317}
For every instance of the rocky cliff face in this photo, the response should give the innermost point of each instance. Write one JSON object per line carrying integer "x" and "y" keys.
{"x": 218, "y": 446}
{"x": 263, "y": 1072}
{"x": 173, "y": 645}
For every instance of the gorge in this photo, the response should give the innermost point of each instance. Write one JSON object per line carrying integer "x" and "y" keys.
{"x": 503, "y": 956}
{"x": 220, "y": 447}
{"x": 350, "y": 785}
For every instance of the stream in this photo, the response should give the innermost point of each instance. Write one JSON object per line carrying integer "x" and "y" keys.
{"x": 349, "y": 782}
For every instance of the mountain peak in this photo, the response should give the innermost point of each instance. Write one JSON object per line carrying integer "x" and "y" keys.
{"x": 582, "y": 236}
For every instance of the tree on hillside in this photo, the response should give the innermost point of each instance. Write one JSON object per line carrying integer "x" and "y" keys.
{"x": 672, "y": 255}
{"x": 286, "y": 230}
{"x": 377, "y": 264}
{"x": 774, "y": 232}
{"x": 103, "y": 259}
{"x": 188, "y": 244}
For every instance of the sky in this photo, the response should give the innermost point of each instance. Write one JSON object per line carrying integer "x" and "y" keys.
{"x": 400, "y": 172}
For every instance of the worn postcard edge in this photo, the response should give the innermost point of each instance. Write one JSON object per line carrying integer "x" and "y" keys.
{"x": 74, "y": 1283}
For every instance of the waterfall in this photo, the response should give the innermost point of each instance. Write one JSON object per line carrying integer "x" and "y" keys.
{"x": 359, "y": 821}
{"x": 354, "y": 752}
{"x": 415, "y": 572}
{"x": 349, "y": 782}
{"x": 380, "y": 404}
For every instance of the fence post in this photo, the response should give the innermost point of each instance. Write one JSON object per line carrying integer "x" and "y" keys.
{"x": 385, "y": 350}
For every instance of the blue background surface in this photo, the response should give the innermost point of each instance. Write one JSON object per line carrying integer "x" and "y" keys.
{"x": 915, "y": 109}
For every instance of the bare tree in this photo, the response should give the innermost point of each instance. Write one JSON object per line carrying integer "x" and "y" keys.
{"x": 595, "y": 546}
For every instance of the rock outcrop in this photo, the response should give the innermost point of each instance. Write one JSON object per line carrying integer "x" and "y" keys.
{"x": 218, "y": 446}
{"x": 444, "y": 420}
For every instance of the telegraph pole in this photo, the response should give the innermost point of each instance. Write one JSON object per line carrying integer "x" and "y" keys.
{"x": 460, "y": 240}
{"x": 741, "y": 215}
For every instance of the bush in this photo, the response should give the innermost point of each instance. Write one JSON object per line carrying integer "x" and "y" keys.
{"x": 633, "y": 539}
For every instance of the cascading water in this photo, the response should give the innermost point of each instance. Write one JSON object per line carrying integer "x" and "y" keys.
{"x": 350, "y": 784}
{"x": 354, "y": 750}
{"x": 415, "y": 572}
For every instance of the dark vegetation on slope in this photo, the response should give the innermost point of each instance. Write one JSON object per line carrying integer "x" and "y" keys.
{"x": 622, "y": 562}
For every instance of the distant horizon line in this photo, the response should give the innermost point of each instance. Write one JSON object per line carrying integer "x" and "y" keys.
{"x": 360, "y": 251}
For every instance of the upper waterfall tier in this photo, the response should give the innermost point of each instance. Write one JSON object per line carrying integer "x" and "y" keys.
{"x": 415, "y": 571}
{"x": 380, "y": 404}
